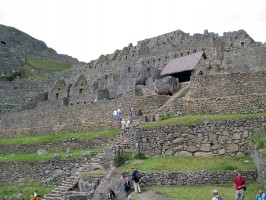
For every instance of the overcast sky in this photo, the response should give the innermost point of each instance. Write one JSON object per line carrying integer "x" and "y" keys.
{"x": 85, "y": 29}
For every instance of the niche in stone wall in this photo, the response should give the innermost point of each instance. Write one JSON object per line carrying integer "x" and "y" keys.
{"x": 95, "y": 85}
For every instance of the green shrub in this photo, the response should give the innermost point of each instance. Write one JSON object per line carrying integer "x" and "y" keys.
{"x": 139, "y": 155}
{"x": 165, "y": 116}
{"x": 120, "y": 159}
{"x": 259, "y": 140}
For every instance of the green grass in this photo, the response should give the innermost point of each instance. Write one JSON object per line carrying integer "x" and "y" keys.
{"x": 185, "y": 164}
{"x": 46, "y": 65}
{"x": 34, "y": 156}
{"x": 89, "y": 135}
{"x": 9, "y": 190}
{"x": 198, "y": 119}
{"x": 204, "y": 192}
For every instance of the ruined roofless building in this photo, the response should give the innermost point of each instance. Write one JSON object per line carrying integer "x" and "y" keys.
{"x": 113, "y": 75}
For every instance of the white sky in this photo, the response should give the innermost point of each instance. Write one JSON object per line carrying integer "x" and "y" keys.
{"x": 85, "y": 29}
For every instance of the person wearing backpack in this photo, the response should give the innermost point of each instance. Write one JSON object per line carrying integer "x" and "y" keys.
{"x": 127, "y": 185}
{"x": 136, "y": 177}
{"x": 111, "y": 194}
{"x": 216, "y": 195}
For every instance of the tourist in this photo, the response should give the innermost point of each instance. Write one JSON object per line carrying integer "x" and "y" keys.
{"x": 123, "y": 124}
{"x": 127, "y": 185}
{"x": 119, "y": 114}
{"x": 136, "y": 178}
{"x": 240, "y": 187}
{"x": 128, "y": 124}
{"x": 260, "y": 195}
{"x": 132, "y": 114}
{"x": 216, "y": 195}
{"x": 111, "y": 194}
{"x": 140, "y": 113}
{"x": 115, "y": 115}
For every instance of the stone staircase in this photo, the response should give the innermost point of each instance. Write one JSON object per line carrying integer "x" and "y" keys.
{"x": 96, "y": 162}
{"x": 184, "y": 89}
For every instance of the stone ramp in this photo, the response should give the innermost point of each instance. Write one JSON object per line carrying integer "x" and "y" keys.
{"x": 181, "y": 93}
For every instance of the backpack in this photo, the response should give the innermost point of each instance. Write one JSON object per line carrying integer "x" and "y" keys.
{"x": 111, "y": 195}
{"x": 137, "y": 175}
{"x": 220, "y": 198}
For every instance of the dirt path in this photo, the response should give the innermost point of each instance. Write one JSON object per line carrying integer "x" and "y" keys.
{"x": 149, "y": 195}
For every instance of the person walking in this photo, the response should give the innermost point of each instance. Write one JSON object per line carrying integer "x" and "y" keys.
{"x": 111, "y": 194}
{"x": 127, "y": 185}
{"x": 136, "y": 177}
{"x": 240, "y": 185}
{"x": 216, "y": 195}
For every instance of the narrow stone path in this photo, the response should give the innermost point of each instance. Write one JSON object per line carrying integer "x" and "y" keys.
{"x": 149, "y": 195}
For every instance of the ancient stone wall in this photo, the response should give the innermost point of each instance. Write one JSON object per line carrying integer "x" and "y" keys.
{"x": 19, "y": 171}
{"x": 211, "y": 138}
{"x": 222, "y": 85}
{"x": 252, "y": 103}
{"x": 193, "y": 178}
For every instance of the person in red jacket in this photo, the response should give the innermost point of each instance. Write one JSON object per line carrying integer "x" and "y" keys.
{"x": 240, "y": 184}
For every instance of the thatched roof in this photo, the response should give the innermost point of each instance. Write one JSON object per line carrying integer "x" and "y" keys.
{"x": 182, "y": 64}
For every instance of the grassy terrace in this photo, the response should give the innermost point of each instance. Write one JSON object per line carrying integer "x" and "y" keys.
{"x": 197, "y": 119}
{"x": 89, "y": 135}
{"x": 184, "y": 164}
{"x": 204, "y": 192}
{"x": 35, "y": 157}
{"x": 8, "y": 190}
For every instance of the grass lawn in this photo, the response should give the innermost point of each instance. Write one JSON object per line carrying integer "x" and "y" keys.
{"x": 9, "y": 190}
{"x": 197, "y": 119}
{"x": 58, "y": 137}
{"x": 204, "y": 192}
{"x": 48, "y": 156}
{"x": 174, "y": 163}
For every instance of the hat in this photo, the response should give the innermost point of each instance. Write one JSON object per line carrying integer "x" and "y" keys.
{"x": 215, "y": 191}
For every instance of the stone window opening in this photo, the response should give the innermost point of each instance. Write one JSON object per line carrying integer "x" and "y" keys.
{"x": 105, "y": 77}
{"x": 106, "y": 63}
{"x": 158, "y": 44}
{"x": 58, "y": 89}
{"x": 195, "y": 51}
{"x": 126, "y": 57}
{"x": 153, "y": 61}
{"x": 175, "y": 55}
{"x": 129, "y": 69}
{"x": 181, "y": 54}
{"x": 80, "y": 91}
{"x": 101, "y": 65}
{"x": 181, "y": 42}
{"x": 188, "y": 53}
{"x": 71, "y": 104}
{"x": 56, "y": 96}
{"x": 77, "y": 102}
{"x": 148, "y": 62}
{"x": 148, "y": 72}
{"x": 159, "y": 59}
{"x": 129, "y": 49}
{"x": 84, "y": 102}
{"x": 242, "y": 44}
{"x": 3, "y": 42}
{"x": 133, "y": 55}
{"x": 81, "y": 84}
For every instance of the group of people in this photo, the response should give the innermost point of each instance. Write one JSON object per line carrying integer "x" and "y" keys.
{"x": 135, "y": 177}
{"x": 240, "y": 187}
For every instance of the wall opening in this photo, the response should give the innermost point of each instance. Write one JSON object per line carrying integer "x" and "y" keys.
{"x": 56, "y": 96}
{"x": 80, "y": 91}
{"x": 242, "y": 44}
{"x": 129, "y": 69}
{"x": 182, "y": 76}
